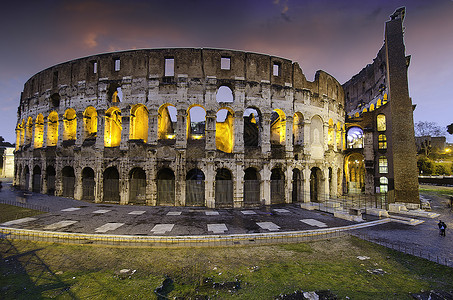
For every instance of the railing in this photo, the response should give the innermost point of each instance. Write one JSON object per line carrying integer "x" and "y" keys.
{"x": 442, "y": 260}
{"x": 25, "y": 205}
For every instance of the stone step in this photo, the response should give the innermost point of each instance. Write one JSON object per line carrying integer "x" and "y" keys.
{"x": 405, "y": 220}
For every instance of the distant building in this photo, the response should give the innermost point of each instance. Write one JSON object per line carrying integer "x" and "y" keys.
{"x": 8, "y": 163}
{"x": 433, "y": 142}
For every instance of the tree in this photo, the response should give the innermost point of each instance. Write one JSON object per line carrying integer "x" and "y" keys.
{"x": 450, "y": 128}
{"x": 424, "y": 128}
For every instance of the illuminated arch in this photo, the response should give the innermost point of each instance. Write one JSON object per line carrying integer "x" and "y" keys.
{"x": 371, "y": 107}
{"x": 70, "y": 125}
{"x": 90, "y": 122}
{"x": 28, "y": 130}
{"x": 39, "y": 131}
{"x": 20, "y": 134}
{"x": 298, "y": 129}
{"x": 330, "y": 133}
{"x": 355, "y": 137}
{"x": 196, "y": 122}
{"x": 52, "y": 129}
{"x": 139, "y": 123}
{"x": 379, "y": 103}
{"x": 278, "y": 127}
{"x": 166, "y": 122}
{"x": 224, "y": 94}
{"x": 113, "y": 122}
{"x": 252, "y": 121}
{"x": 364, "y": 110}
{"x": 355, "y": 173}
{"x": 224, "y": 131}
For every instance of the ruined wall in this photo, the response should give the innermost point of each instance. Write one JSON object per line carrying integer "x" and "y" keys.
{"x": 125, "y": 91}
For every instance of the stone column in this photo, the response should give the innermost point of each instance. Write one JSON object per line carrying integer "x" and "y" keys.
{"x": 181, "y": 139}
{"x": 307, "y": 141}
{"x": 100, "y": 130}
{"x": 325, "y": 182}
{"x": 239, "y": 184}
{"x": 152, "y": 126}
{"x": 266, "y": 184}
{"x": 210, "y": 130}
{"x": 44, "y": 134}
{"x": 209, "y": 185}
{"x": 79, "y": 134}
{"x": 289, "y": 134}
{"x": 60, "y": 130}
{"x": 289, "y": 185}
{"x": 125, "y": 128}
{"x": 266, "y": 133}
{"x": 78, "y": 189}
{"x": 180, "y": 179}
{"x": 306, "y": 172}
{"x": 238, "y": 127}
{"x": 99, "y": 182}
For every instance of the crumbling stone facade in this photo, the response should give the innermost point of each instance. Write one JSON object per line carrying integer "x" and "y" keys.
{"x": 119, "y": 127}
{"x": 216, "y": 128}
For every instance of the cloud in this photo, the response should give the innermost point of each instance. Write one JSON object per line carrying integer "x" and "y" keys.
{"x": 90, "y": 40}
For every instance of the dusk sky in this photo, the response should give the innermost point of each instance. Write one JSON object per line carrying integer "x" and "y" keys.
{"x": 339, "y": 37}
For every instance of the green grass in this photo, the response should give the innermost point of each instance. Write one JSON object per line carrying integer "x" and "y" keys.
{"x": 54, "y": 270}
{"x": 438, "y": 190}
{"x": 11, "y": 212}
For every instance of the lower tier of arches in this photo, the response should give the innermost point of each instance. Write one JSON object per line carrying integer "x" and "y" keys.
{"x": 214, "y": 184}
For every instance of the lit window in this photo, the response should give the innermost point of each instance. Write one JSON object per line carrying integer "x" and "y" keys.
{"x": 383, "y": 188}
{"x": 355, "y": 138}
{"x": 117, "y": 64}
{"x": 95, "y": 67}
{"x": 225, "y": 63}
{"x": 276, "y": 69}
{"x": 381, "y": 125}
{"x": 169, "y": 67}
{"x": 383, "y": 165}
{"x": 382, "y": 141}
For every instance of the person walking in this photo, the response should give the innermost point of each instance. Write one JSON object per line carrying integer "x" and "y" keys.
{"x": 442, "y": 226}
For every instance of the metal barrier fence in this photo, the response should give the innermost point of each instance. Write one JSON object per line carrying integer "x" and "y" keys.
{"x": 25, "y": 205}
{"x": 442, "y": 260}
{"x": 351, "y": 201}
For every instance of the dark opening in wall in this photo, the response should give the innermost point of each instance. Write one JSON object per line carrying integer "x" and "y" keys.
{"x": 55, "y": 100}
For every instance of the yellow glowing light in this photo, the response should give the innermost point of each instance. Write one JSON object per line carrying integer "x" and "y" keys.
{"x": 170, "y": 136}
{"x": 197, "y": 136}
{"x": 447, "y": 150}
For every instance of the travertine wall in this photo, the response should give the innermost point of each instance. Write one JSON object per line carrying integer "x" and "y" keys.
{"x": 262, "y": 82}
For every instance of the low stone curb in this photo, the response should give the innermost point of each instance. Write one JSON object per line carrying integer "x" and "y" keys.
{"x": 183, "y": 241}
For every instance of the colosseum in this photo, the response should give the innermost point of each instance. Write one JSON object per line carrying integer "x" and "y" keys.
{"x": 207, "y": 127}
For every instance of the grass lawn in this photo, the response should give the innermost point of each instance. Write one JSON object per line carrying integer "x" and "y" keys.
{"x": 11, "y": 212}
{"x": 435, "y": 189}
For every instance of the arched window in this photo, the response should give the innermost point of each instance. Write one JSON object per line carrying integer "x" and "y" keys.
{"x": 52, "y": 129}
{"x": 382, "y": 141}
{"x": 251, "y": 187}
{"x": 371, "y": 107}
{"x": 224, "y": 132}
{"x": 383, "y": 188}
{"x": 196, "y": 122}
{"x": 252, "y": 122}
{"x": 90, "y": 122}
{"x": 355, "y": 138}
{"x": 28, "y": 130}
{"x": 39, "y": 131}
{"x": 113, "y": 123}
{"x": 381, "y": 122}
{"x": 88, "y": 184}
{"x": 139, "y": 123}
{"x": 278, "y": 127}
{"x": 166, "y": 122}
{"x": 224, "y": 95}
{"x": 383, "y": 165}
{"x": 70, "y": 125}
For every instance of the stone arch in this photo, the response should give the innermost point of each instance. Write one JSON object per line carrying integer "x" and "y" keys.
{"x": 316, "y": 186}
{"x": 252, "y": 187}
{"x": 39, "y": 131}
{"x": 167, "y": 121}
{"x": 277, "y": 186}
{"x": 137, "y": 186}
{"x": 195, "y": 188}
{"x": 88, "y": 184}
{"x": 317, "y": 137}
{"x": 298, "y": 129}
{"x": 196, "y": 122}
{"x": 26, "y": 179}
{"x": 52, "y": 129}
{"x": 113, "y": 127}
{"x": 28, "y": 131}
{"x": 166, "y": 187}
{"x": 224, "y": 94}
{"x": 68, "y": 181}
{"x": 278, "y": 127}
{"x": 111, "y": 185}
{"x": 90, "y": 123}
{"x": 355, "y": 137}
{"x": 70, "y": 125}
{"x": 139, "y": 123}
{"x": 114, "y": 93}
{"x": 223, "y": 188}
{"x": 252, "y": 127}
{"x": 355, "y": 173}
{"x": 224, "y": 130}
{"x": 36, "y": 185}
{"x": 297, "y": 188}
{"x": 50, "y": 179}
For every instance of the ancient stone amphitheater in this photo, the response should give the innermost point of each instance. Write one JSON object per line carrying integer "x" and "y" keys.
{"x": 188, "y": 126}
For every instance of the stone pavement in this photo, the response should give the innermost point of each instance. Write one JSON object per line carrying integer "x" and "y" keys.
{"x": 69, "y": 215}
